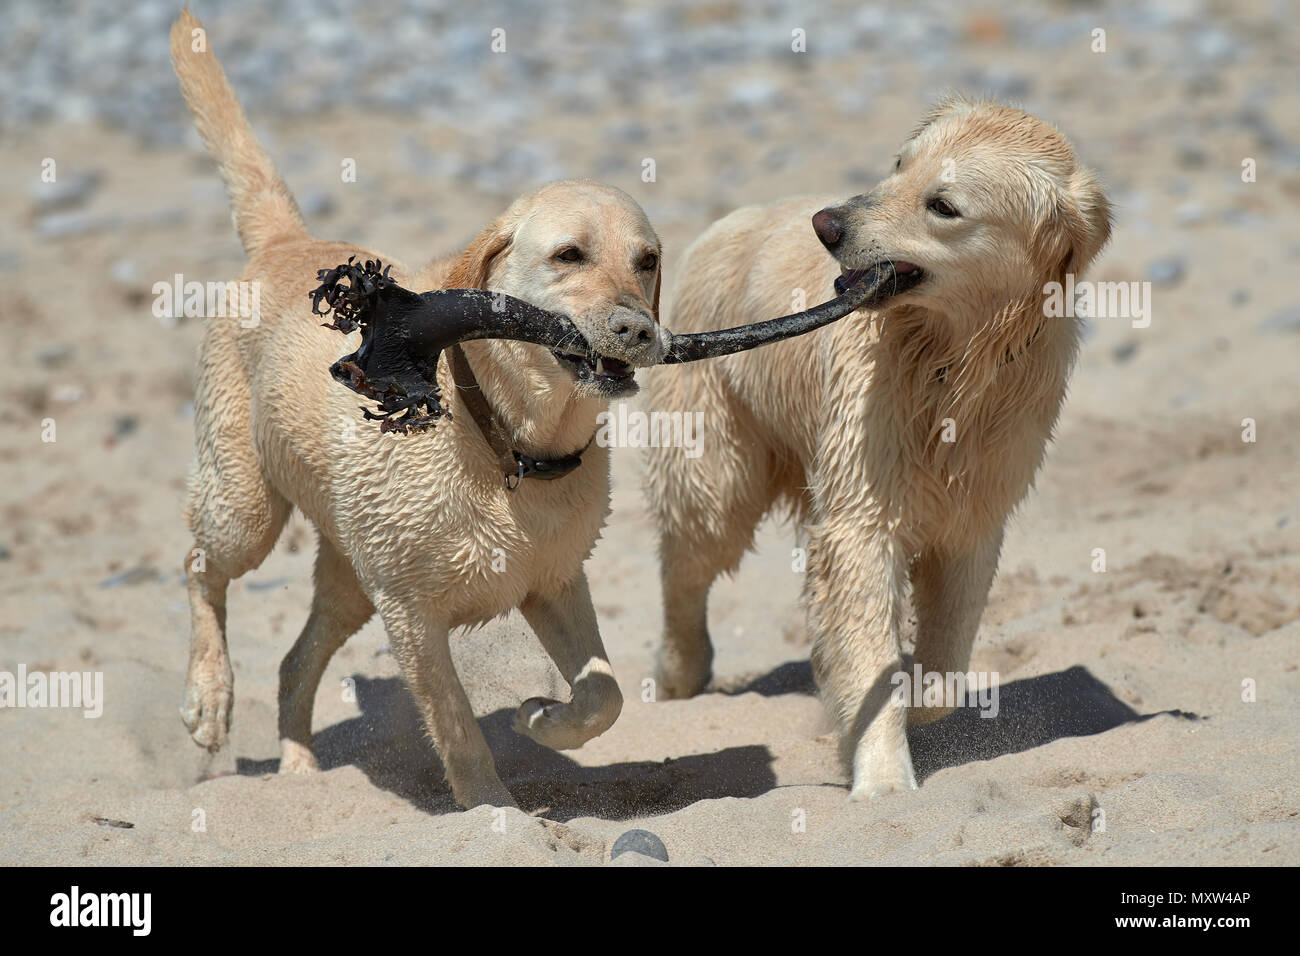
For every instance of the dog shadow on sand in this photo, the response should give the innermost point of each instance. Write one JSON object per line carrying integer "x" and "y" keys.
{"x": 387, "y": 743}
{"x": 1031, "y": 713}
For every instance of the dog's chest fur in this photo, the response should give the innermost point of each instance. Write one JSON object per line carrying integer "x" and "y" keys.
{"x": 957, "y": 435}
{"x": 485, "y": 549}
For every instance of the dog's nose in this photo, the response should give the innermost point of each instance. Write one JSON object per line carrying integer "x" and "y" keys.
{"x": 632, "y": 330}
{"x": 829, "y": 227}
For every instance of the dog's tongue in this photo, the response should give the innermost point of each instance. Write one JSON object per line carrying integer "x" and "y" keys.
{"x": 848, "y": 280}
{"x": 851, "y": 278}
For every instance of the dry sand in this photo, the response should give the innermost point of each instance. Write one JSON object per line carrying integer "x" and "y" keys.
{"x": 1120, "y": 691}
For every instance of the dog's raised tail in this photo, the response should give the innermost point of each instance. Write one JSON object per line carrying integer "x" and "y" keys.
{"x": 262, "y": 204}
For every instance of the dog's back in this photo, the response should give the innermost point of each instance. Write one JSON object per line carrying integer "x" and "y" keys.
{"x": 762, "y": 407}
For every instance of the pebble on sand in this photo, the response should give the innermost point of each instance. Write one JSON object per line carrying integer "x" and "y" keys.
{"x": 1167, "y": 271}
{"x": 640, "y": 841}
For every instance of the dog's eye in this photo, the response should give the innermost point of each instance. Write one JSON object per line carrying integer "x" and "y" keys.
{"x": 898, "y": 163}
{"x": 649, "y": 261}
{"x": 941, "y": 207}
{"x": 569, "y": 254}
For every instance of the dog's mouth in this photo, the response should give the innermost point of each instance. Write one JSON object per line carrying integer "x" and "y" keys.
{"x": 901, "y": 277}
{"x": 607, "y": 375}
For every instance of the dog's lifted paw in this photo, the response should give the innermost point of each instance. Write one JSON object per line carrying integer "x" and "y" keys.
{"x": 206, "y": 711}
{"x": 551, "y": 724}
{"x": 595, "y": 706}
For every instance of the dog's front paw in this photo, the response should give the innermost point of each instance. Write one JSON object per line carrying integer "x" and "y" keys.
{"x": 296, "y": 758}
{"x": 880, "y": 788}
{"x": 677, "y": 678}
{"x": 551, "y": 724}
{"x": 473, "y": 786}
{"x": 596, "y": 704}
{"x": 881, "y": 768}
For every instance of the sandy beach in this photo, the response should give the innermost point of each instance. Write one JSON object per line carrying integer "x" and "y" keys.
{"x": 1162, "y": 692}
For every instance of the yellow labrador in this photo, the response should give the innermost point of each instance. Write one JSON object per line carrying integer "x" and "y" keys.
{"x": 903, "y": 439}
{"x": 420, "y": 528}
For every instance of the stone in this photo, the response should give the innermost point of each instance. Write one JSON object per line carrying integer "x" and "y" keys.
{"x": 640, "y": 841}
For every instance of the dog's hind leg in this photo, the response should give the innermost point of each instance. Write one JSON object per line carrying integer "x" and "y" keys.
{"x": 339, "y": 609}
{"x": 566, "y": 626}
{"x": 209, "y": 684}
{"x": 419, "y": 642}
{"x": 707, "y": 509}
{"x": 236, "y": 517}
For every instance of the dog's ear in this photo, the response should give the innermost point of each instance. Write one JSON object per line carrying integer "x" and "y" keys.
{"x": 659, "y": 277}
{"x": 474, "y": 266}
{"x": 1077, "y": 228}
{"x": 1091, "y": 219}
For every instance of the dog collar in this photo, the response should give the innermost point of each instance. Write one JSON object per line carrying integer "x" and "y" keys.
{"x": 515, "y": 465}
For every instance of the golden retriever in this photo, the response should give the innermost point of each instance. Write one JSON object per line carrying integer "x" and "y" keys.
{"x": 902, "y": 439}
{"x": 421, "y": 528}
